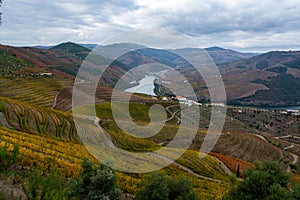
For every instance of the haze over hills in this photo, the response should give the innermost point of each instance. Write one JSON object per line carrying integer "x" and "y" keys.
{"x": 218, "y": 54}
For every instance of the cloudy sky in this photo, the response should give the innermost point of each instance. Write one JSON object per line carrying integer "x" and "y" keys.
{"x": 244, "y": 25}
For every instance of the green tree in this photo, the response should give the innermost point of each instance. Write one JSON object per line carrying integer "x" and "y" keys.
{"x": 296, "y": 191}
{"x": 265, "y": 181}
{"x": 155, "y": 187}
{"x": 182, "y": 189}
{"x": 95, "y": 183}
{"x": 158, "y": 186}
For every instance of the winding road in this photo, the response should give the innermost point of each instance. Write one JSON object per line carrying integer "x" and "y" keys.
{"x": 55, "y": 100}
{"x": 173, "y": 114}
{"x": 108, "y": 142}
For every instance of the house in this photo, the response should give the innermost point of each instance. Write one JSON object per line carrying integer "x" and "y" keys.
{"x": 180, "y": 98}
{"x": 164, "y": 98}
{"x": 218, "y": 104}
{"x": 46, "y": 74}
{"x": 292, "y": 111}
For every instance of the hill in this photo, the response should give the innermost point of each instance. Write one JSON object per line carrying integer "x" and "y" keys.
{"x": 39, "y": 91}
{"x": 269, "y": 79}
{"x": 46, "y": 60}
{"x": 10, "y": 64}
{"x": 70, "y": 47}
{"x": 35, "y": 112}
{"x": 49, "y": 137}
{"x": 63, "y": 61}
{"x": 218, "y": 54}
{"x": 35, "y": 120}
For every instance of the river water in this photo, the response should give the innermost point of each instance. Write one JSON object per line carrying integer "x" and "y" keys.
{"x": 271, "y": 108}
{"x": 146, "y": 86}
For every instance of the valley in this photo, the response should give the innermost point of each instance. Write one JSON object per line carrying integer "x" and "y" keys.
{"x": 36, "y": 90}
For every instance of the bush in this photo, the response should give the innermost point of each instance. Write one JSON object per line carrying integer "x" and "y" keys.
{"x": 155, "y": 187}
{"x": 38, "y": 187}
{"x": 95, "y": 183}
{"x": 158, "y": 186}
{"x": 266, "y": 181}
{"x": 2, "y": 196}
{"x": 7, "y": 158}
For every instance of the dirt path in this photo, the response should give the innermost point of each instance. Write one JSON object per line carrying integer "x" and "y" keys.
{"x": 55, "y": 99}
{"x": 185, "y": 168}
{"x": 261, "y": 137}
{"x": 110, "y": 144}
{"x": 173, "y": 114}
{"x": 294, "y": 162}
{"x": 107, "y": 136}
{"x": 289, "y": 147}
{"x": 224, "y": 167}
{"x": 296, "y": 158}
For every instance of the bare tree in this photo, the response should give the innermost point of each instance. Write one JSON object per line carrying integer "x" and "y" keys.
{"x": 0, "y": 12}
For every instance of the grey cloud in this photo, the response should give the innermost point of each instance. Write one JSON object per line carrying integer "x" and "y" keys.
{"x": 241, "y": 24}
{"x": 254, "y": 17}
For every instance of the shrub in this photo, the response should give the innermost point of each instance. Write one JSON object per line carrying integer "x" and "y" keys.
{"x": 95, "y": 183}
{"x": 7, "y": 158}
{"x": 266, "y": 181}
{"x": 158, "y": 186}
{"x": 38, "y": 187}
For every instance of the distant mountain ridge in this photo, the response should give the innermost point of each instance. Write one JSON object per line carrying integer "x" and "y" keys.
{"x": 269, "y": 79}
{"x": 218, "y": 54}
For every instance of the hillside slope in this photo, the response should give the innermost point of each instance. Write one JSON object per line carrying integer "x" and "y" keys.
{"x": 269, "y": 79}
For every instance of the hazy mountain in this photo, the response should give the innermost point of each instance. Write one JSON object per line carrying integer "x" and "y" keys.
{"x": 42, "y": 47}
{"x": 218, "y": 54}
{"x": 89, "y": 46}
{"x": 268, "y": 79}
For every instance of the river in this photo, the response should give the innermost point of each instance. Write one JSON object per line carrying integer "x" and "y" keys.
{"x": 272, "y": 108}
{"x": 146, "y": 86}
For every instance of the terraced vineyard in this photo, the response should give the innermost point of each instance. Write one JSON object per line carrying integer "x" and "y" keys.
{"x": 31, "y": 119}
{"x": 103, "y": 94}
{"x": 207, "y": 166}
{"x": 10, "y": 63}
{"x": 44, "y": 152}
{"x": 38, "y": 91}
{"x": 233, "y": 163}
{"x": 250, "y": 148}
{"x": 127, "y": 142}
{"x": 49, "y": 136}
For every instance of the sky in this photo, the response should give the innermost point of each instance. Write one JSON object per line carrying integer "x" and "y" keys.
{"x": 243, "y": 25}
